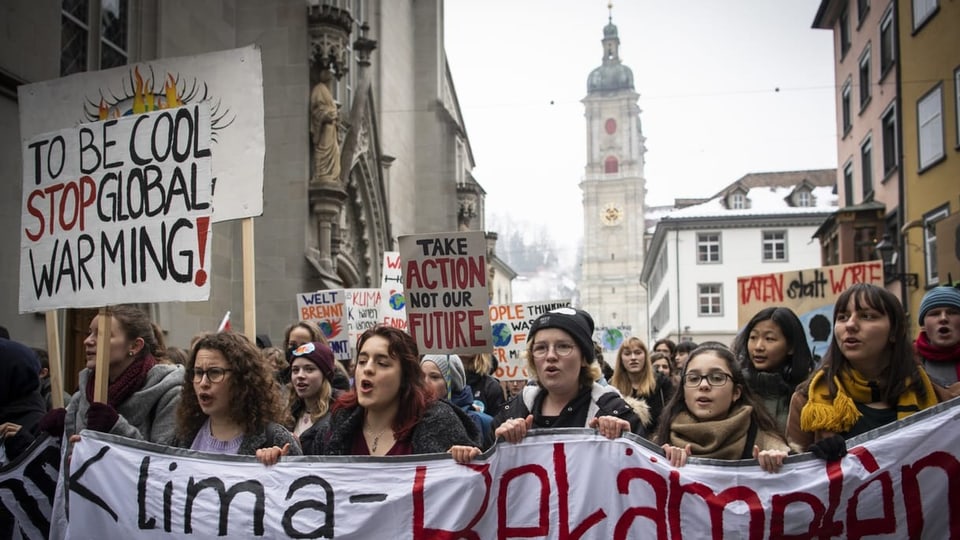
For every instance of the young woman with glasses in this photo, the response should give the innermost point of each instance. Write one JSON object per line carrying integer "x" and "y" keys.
{"x": 717, "y": 416}
{"x": 229, "y": 402}
{"x": 635, "y": 377}
{"x": 560, "y": 354}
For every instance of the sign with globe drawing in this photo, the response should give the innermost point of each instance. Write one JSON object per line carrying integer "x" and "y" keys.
{"x": 510, "y": 324}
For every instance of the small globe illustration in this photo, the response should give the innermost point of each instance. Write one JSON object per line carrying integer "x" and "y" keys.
{"x": 326, "y": 328}
{"x": 397, "y": 302}
{"x": 612, "y": 338}
{"x": 501, "y": 334}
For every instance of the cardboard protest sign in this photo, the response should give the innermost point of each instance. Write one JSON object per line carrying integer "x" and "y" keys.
{"x": 568, "y": 483}
{"x": 328, "y": 309}
{"x": 510, "y": 325}
{"x": 363, "y": 311}
{"x": 232, "y": 81}
{"x": 116, "y": 210}
{"x": 810, "y": 293}
{"x": 393, "y": 304}
{"x": 611, "y": 338}
{"x": 445, "y": 285}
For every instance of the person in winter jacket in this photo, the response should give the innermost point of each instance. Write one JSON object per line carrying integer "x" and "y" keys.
{"x": 445, "y": 374}
{"x": 560, "y": 352}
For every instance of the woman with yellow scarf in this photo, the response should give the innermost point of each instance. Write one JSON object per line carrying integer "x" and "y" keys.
{"x": 868, "y": 377}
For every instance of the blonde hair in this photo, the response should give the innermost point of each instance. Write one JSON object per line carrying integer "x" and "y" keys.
{"x": 621, "y": 379}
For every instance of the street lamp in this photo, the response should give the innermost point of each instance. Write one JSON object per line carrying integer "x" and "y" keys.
{"x": 889, "y": 255}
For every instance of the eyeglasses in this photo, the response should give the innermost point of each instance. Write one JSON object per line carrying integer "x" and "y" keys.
{"x": 214, "y": 375}
{"x": 714, "y": 378}
{"x": 562, "y": 350}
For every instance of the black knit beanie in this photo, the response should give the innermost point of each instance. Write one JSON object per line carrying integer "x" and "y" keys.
{"x": 576, "y": 322}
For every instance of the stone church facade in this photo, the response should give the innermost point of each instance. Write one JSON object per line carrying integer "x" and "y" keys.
{"x": 404, "y": 157}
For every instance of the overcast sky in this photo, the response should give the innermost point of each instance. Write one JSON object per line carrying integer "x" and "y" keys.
{"x": 727, "y": 87}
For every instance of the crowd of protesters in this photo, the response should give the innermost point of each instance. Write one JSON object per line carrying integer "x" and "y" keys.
{"x": 762, "y": 397}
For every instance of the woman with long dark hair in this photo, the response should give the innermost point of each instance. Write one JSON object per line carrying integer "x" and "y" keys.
{"x": 773, "y": 352}
{"x": 390, "y": 411}
{"x": 868, "y": 377}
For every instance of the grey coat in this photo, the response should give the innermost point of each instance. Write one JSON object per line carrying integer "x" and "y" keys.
{"x": 148, "y": 414}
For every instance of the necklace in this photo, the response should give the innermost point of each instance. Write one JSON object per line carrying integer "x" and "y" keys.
{"x": 376, "y": 439}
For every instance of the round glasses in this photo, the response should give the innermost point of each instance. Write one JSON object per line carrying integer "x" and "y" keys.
{"x": 714, "y": 378}
{"x": 562, "y": 350}
{"x": 214, "y": 375}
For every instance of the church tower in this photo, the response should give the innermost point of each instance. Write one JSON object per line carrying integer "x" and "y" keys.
{"x": 613, "y": 200}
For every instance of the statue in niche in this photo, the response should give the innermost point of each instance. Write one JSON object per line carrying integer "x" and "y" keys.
{"x": 323, "y": 130}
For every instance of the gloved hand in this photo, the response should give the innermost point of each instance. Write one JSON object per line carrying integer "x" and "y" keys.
{"x": 53, "y": 422}
{"x": 829, "y": 449}
{"x": 101, "y": 417}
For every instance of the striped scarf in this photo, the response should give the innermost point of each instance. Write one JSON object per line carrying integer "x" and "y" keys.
{"x": 838, "y": 415}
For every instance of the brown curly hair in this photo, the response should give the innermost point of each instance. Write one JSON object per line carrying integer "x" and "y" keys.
{"x": 254, "y": 395}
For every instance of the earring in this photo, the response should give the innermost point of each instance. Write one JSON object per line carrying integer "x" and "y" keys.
{"x": 130, "y": 353}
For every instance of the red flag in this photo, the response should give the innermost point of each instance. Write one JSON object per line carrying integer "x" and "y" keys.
{"x": 225, "y": 323}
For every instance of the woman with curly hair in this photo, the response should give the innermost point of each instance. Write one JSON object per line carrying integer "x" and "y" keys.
{"x": 635, "y": 377}
{"x": 868, "y": 378}
{"x": 229, "y": 401}
{"x": 390, "y": 411}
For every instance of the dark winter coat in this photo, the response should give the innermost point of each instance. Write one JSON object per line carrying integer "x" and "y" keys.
{"x": 442, "y": 425}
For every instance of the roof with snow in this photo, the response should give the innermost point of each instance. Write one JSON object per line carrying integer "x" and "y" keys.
{"x": 768, "y": 194}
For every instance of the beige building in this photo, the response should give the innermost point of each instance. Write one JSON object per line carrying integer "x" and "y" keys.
{"x": 930, "y": 93}
{"x": 405, "y": 158}
{"x": 897, "y": 102}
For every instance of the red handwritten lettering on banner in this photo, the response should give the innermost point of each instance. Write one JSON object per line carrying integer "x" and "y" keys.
{"x": 533, "y": 481}
{"x": 766, "y": 288}
{"x": 510, "y": 312}
{"x": 869, "y": 272}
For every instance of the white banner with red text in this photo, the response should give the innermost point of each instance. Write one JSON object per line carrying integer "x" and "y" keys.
{"x": 895, "y": 482}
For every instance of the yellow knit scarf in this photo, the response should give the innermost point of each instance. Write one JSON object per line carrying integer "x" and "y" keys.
{"x": 840, "y": 414}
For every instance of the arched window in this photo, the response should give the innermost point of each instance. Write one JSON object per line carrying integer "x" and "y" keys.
{"x": 611, "y": 165}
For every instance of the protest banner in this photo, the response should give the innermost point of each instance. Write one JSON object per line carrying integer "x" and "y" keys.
{"x": 393, "y": 304}
{"x": 363, "y": 311}
{"x": 510, "y": 325}
{"x": 566, "y": 483}
{"x": 445, "y": 285}
{"x": 328, "y": 309}
{"x": 810, "y": 293}
{"x": 116, "y": 210}
{"x": 27, "y": 485}
{"x": 231, "y": 80}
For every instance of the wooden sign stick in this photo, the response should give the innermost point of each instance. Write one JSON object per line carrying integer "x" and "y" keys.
{"x": 53, "y": 352}
{"x": 249, "y": 281}
{"x": 102, "y": 371}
